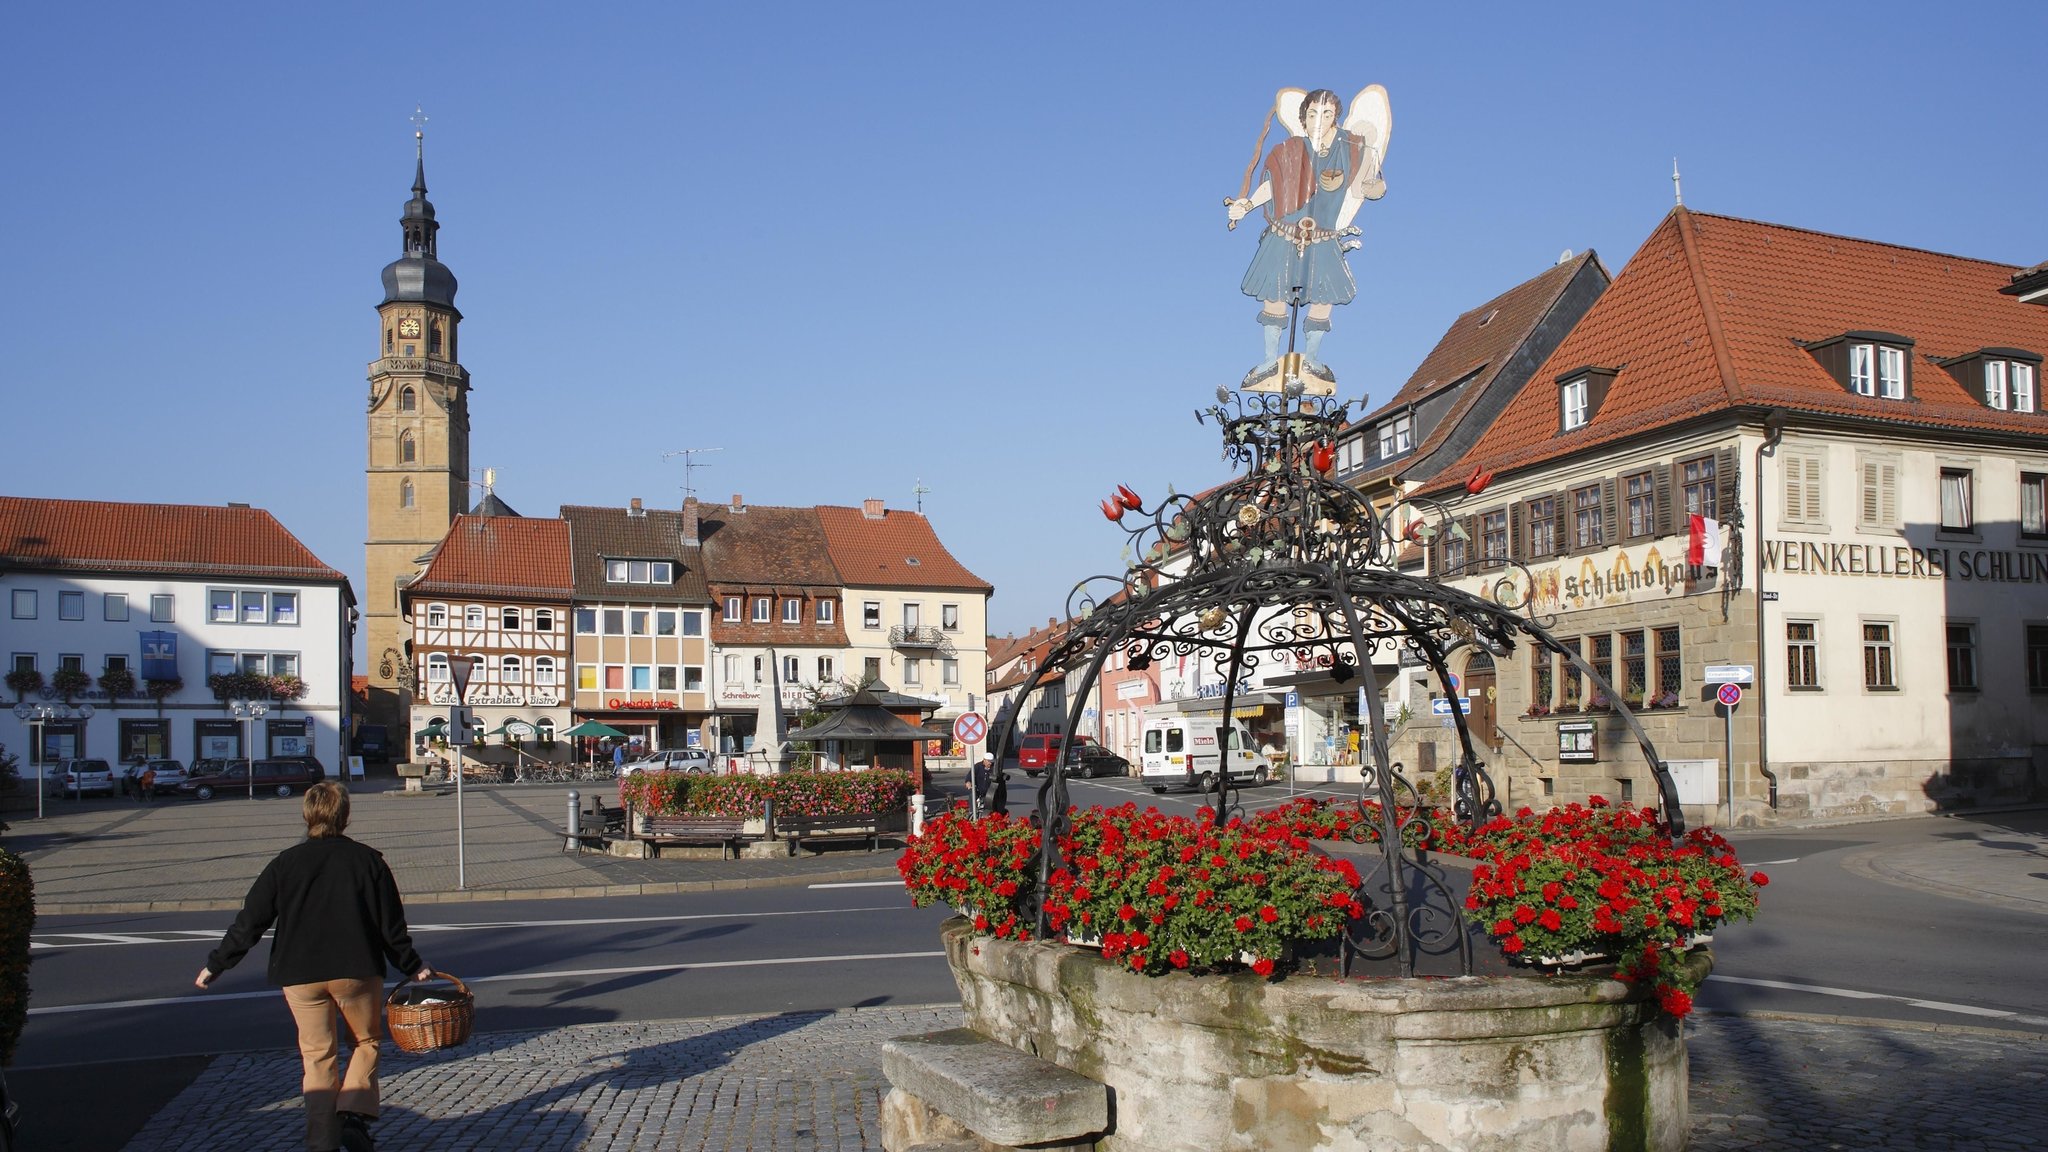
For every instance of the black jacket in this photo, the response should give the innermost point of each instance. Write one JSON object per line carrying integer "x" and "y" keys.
{"x": 337, "y": 913}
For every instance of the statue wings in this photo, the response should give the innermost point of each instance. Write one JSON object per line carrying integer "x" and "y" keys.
{"x": 1370, "y": 118}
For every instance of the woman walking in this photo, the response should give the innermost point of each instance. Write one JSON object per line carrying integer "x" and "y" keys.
{"x": 339, "y": 919}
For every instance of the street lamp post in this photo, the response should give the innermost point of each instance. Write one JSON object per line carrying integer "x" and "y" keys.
{"x": 249, "y": 711}
{"x": 36, "y": 715}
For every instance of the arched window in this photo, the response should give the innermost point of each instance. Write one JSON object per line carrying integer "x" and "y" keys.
{"x": 437, "y": 668}
{"x": 508, "y": 670}
{"x": 434, "y": 340}
{"x": 408, "y": 452}
{"x": 405, "y": 493}
{"x": 543, "y": 620}
{"x": 509, "y": 619}
{"x": 545, "y": 727}
{"x": 473, "y": 617}
{"x": 387, "y": 341}
{"x": 543, "y": 671}
{"x": 437, "y": 615}
{"x": 408, "y": 399}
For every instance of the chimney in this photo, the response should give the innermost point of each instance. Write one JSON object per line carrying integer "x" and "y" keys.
{"x": 738, "y": 505}
{"x": 690, "y": 522}
{"x": 871, "y": 508}
{"x": 635, "y": 509}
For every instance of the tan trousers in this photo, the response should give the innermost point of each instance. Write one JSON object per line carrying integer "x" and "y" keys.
{"x": 360, "y": 1005}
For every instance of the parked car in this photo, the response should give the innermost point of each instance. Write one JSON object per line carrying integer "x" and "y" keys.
{"x": 1091, "y": 760}
{"x": 373, "y": 743}
{"x": 77, "y": 777}
{"x": 670, "y": 760}
{"x": 169, "y": 774}
{"x": 274, "y": 776}
{"x": 1036, "y": 750}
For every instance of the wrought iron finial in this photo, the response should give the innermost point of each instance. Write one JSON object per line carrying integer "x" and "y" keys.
{"x": 1677, "y": 193}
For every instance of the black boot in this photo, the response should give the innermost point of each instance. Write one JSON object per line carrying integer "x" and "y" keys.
{"x": 355, "y": 1133}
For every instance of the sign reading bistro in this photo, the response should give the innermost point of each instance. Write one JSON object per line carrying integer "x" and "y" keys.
{"x": 1820, "y": 558}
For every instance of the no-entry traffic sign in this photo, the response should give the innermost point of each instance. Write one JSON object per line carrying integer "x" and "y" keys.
{"x": 1729, "y": 694}
{"x": 970, "y": 728}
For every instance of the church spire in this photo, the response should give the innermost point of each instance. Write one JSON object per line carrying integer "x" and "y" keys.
{"x": 418, "y": 273}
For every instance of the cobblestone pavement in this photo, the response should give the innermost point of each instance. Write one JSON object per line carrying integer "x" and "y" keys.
{"x": 801, "y": 1082}
{"x": 813, "y": 1081}
{"x": 1813, "y": 1084}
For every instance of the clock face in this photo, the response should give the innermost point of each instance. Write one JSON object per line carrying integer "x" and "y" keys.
{"x": 409, "y": 328}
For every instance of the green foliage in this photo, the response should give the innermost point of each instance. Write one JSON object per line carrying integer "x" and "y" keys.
{"x": 116, "y": 682}
{"x": 743, "y": 795}
{"x": 10, "y": 775}
{"x": 69, "y": 682}
{"x": 17, "y": 920}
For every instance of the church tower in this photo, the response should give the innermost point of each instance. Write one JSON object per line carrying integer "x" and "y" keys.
{"x": 418, "y": 473}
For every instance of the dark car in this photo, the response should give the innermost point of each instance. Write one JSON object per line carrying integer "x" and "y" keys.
{"x": 1092, "y": 760}
{"x": 373, "y": 743}
{"x": 275, "y": 776}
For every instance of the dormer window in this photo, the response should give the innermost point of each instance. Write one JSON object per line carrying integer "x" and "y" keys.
{"x": 1397, "y": 436}
{"x": 1579, "y": 393}
{"x": 2009, "y": 385}
{"x": 1573, "y": 401}
{"x": 1873, "y": 364}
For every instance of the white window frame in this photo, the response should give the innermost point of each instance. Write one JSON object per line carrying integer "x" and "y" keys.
{"x": 1956, "y": 500}
{"x": 163, "y": 608}
{"x": 615, "y": 572}
{"x": 826, "y": 611}
{"x": 1995, "y": 374}
{"x": 825, "y": 669}
{"x": 2025, "y": 397}
{"x": 1863, "y": 369}
{"x": 1887, "y": 650}
{"x": 792, "y": 670}
{"x": 1891, "y": 372}
{"x": 508, "y": 619}
{"x": 692, "y": 622}
{"x": 913, "y": 615}
{"x": 734, "y": 609}
{"x": 24, "y": 597}
{"x": 761, "y": 610}
{"x": 693, "y": 678}
{"x": 2033, "y": 507}
{"x": 437, "y": 668}
{"x": 792, "y": 610}
{"x": 949, "y": 617}
{"x": 70, "y": 604}
{"x": 544, "y": 620}
{"x": 114, "y": 606}
{"x": 949, "y": 671}
{"x": 220, "y": 606}
{"x": 1572, "y": 402}
{"x": 1803, "y": 484}
{"x": 871, "y": 614}
{"x": 1877, "y": 491}
{"x": 1813, "y": 643}
{"x": 284, "y": 609}
{"x": 510, "y": 669}
{"x": 913, "y": 672}
{"x": 473, "y": 617}
{"x": 544, "y": 671}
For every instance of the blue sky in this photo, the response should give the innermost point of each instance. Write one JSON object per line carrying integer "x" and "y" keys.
{"x": 857, "y": 246}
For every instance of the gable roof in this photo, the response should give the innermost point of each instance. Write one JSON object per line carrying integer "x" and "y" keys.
{"x": 1710, "y": 316}
{"x": 897, "y": 549}
{"x": 766, "y": 545}
{"x": 499, "y": 556}
{"x": 597, "y": 534}
{"x": 1477, "y": 349}
{"x": 169, "y": 539}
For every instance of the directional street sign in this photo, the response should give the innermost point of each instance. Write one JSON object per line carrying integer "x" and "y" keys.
{"x": 1730, "y": 674}
{"x": 970, "y": 728}
{"x": 1442, "y": 707}
{"x": 1729, "y": 694}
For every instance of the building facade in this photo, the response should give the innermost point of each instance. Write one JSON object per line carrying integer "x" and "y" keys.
{"x": 497, "y": 595}
{"x": 777, "y": 617}
{"x": 131, "y": 628}
{"x": 640, "y": 623}
{"x": 1809, "y": 463}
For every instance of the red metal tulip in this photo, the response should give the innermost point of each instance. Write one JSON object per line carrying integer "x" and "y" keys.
{"x": 1477, "y": 482}
{"x": 1128, "y": 498}
{"x": 1112, "y": 511}
{"x": 1324, "y": 455}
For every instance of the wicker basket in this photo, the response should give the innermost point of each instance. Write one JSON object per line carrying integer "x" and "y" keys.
{"x": 425, "y": 1027}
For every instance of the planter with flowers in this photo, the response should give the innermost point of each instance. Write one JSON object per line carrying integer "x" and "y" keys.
{"x": 1662, "y": 700}
{"x": 746, "y": 795}
{"x": 1186, "y": 1005}
{"x": 24, "y": 682}
{"x": 69, "y": 682}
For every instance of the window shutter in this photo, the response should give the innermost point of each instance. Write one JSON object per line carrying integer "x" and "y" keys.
{"x": 1561, "y": 544}
{"x": 1869, "y": 494}
{"x": 1728, "y": 478}
{"x": 1608, "y": 532}
{"x": 1795, "y": 489}
{"x": 1888, "y": 491}
{"x": 1518, "y": 542}
{"x": 1665, "y": 485}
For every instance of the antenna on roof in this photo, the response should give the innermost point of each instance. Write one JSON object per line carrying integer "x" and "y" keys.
{"x": 1677, "y": 193}
{"x": 489, "y": 481}
{"x": 918, "y": 490}
{"x": 690, "y": 465}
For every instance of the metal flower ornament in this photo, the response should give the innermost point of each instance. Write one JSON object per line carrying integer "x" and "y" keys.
{"x": 1285, "y": 568}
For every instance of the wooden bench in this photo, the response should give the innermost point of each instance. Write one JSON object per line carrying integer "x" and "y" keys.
{"x": 725, "y": 831}
{"x": 945, "y": 1085}
{"x": 590, "y": 828}
{"x": 868, "y": 826}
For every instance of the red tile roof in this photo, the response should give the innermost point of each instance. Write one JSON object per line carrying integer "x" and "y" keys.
{"x": 895, "y": 550}
{"x": 500, "y": 556}
{"x": 1710, "y": 315}
{"x": 168, "y": 539}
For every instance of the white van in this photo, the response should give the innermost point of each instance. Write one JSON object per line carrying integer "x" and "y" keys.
{"x": 1180, "y": 751}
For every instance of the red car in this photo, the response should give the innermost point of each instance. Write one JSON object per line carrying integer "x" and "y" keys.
{"x": 1036, "y": 751}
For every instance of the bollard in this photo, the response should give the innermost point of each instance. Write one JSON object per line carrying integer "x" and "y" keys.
{"x": 575, "y": 824}
{"x": 917, "y": 813}
{"x": 768, "y": 818}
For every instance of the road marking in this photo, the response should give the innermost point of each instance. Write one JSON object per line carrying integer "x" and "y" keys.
{"x": 198, "y": 997}
{"x": 186, "y": 935}
{"x": 860, "y": 884}
{"x": 1771, "y": 863}
{"x": 1855, "y": 994}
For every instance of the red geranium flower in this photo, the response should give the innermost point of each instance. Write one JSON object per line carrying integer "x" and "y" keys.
{"x": 1263, "y": 966}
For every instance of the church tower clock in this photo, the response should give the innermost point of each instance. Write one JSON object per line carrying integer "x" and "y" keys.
{"x": 418, "y": 471}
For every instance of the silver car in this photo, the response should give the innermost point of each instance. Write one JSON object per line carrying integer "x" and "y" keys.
{"x": 670, "y": 760}
{"x": 77, "y": 777}
{"x": 169, "y": 774}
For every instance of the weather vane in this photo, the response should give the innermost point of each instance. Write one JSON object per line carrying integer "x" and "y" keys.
{"x": 419, "y": 121}
{"x": 690, "y": 465}
{"x": 918, "y": 490}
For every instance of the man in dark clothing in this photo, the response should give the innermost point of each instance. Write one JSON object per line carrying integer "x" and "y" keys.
{"x": 981, "y": 768}
{"x": 339, "y": 919}
{"x": 999, "y": 798}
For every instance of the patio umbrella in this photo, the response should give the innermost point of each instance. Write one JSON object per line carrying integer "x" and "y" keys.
{"x": 595, "y": 728}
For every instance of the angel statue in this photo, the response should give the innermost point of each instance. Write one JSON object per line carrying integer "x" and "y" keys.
{"x": 1315, "y": 181}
